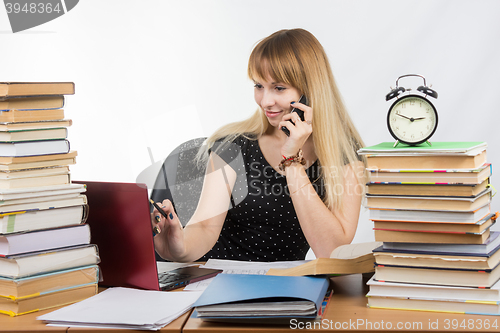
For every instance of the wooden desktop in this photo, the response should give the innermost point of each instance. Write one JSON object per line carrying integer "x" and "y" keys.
{"x": 346, "y": 311}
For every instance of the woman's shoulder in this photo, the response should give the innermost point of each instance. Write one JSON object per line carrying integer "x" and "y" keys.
{"x": 237, "y": 141}
{"x": 240, "y": 138}
{"x": 230, "y": 147}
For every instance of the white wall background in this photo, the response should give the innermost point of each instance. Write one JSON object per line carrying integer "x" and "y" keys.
{"x": 156, "y": 73}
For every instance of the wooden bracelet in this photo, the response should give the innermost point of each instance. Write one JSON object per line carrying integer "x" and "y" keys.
{"x": 298, "y": 158}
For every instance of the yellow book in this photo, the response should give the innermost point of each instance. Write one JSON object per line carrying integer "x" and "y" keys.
{"x": 13, "y": 89}
{"x": 31, "y": 115}
{"x": 40, "y": 284}
{"x": 16, "y": 307}
{"x": 33, "y": 103}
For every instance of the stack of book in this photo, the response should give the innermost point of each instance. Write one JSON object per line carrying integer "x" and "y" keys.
{"x": 431, "y": 209}
{"x": 46, "y": 258}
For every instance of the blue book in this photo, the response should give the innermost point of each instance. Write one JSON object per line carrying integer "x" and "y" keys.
{"x": 233, "y": 297}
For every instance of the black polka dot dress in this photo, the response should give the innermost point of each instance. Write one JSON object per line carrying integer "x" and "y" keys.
{"x": 261, "y": 223}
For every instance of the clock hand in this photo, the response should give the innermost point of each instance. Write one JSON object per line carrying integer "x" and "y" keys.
{"x": 410, "y": 119}
{"x": 404, "y": 116}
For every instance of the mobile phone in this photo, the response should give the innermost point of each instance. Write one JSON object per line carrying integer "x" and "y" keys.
{"x": 302, "y": 100}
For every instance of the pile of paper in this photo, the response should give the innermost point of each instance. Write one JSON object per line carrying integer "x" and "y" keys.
{"x": 124, "y": 308}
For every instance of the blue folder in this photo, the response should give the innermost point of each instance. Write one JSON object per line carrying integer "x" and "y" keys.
{"x": 236, "y": 288}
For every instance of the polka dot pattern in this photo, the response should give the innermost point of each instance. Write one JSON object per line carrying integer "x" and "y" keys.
{"x": 262, "y": 225}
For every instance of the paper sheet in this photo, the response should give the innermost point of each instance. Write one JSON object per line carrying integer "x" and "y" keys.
{"x": 240, "y": 267}
{"x": 249, "y": 267}
{"x": 125, "y": 308}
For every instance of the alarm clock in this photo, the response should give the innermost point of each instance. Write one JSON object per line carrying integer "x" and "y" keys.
{"x": 412, "y": 118}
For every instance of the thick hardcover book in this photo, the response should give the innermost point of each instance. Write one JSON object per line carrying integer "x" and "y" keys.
{"x": 49, "y": 180}
{"x": 34, "y": 173}
{"x": 437, "y": 259}
{"x": 43, "y": 219}
{"x": 471, "y": 217}
{"x": 236, "y": 296}
{"x": 430, "y": 237}
{"x": 436, "y": 275}
{"x": 458, "y": 228}
{"x": 34, "y": 135}
{"x": 491, "y": 244}
{"x": 431, "y": 190}
{"x": 429, "y": 203}
{"x": 429, "y": 177}
{"x": 394, "y": 289}
{"x": 30, "y": 116}
{"x": 387, "y": 161}
{"x": 32, "y": 103}
{"x": 39, "y": 161}
{"x": 35, "y": 192}
{"x": 16, "y": 89}
{"x": 22, "y": 265}
{"x": 35, "y": 125}
{"x": 27, "y": 287}
{"x": 44, "y": 240}
{"x": 50, "y": 202}
{"x": 434, "y": 304}
{"x": 14, "y": 161}
{"x": 47, "y": 301}
{"x": 34, "y": 148}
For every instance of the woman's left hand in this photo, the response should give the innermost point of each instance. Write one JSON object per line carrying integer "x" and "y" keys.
{"x": 299, "y": 130}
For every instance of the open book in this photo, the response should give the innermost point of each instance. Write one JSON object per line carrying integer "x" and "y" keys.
{"x": 345, "y": 259}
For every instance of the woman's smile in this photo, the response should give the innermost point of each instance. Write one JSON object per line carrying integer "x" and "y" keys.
{"x": 273, "y": 114}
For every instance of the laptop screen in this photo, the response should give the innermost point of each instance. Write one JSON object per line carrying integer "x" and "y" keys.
{"x": 120, "y": 225}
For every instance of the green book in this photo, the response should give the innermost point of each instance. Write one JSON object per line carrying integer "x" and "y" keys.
{"x": 438, "y": 148}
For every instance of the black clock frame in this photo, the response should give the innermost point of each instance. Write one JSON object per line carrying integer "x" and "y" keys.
{"x": 389, "y": 117}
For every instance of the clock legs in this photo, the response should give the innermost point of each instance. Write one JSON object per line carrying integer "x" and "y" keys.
{"x": 397, "y": 143}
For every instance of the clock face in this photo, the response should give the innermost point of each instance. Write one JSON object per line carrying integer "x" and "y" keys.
{"x": 412, "y": 119}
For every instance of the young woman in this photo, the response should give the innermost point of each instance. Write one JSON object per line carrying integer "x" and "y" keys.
{"x": 285, "y": 194}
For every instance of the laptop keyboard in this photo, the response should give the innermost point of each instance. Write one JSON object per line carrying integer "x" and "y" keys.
{"x": 168, "y": 277}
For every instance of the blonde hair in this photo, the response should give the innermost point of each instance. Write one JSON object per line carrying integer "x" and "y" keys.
{"x": 295, "y": 57}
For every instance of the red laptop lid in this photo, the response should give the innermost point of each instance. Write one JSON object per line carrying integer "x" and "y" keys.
{"x": 120, "y": 225}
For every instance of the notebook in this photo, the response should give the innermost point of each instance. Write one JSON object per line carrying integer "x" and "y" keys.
{"x": 120, "y": 225}
{"x": 245, "y": 297}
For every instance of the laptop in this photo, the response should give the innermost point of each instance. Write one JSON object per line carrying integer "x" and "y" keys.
{"x": 120, "y": 225}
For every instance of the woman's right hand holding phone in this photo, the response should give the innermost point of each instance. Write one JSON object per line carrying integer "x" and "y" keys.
{"x": 300, "y": 130}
